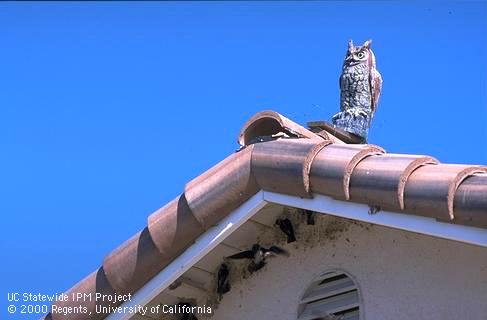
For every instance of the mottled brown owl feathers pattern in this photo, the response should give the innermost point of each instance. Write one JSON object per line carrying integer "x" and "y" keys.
{"x": 360, "y": 88}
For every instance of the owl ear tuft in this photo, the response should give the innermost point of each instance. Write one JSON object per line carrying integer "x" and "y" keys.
{"x": 350, "y": 45}
{"x": 367, "y": 44}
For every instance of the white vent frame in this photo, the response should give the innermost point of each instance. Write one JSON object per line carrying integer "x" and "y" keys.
{"x": 335, "y": 295}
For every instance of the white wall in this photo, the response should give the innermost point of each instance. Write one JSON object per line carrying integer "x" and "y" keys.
{"x": 401, "y": 275}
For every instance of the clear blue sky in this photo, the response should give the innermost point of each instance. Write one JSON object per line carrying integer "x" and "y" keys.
{"x": 108, "y": 109}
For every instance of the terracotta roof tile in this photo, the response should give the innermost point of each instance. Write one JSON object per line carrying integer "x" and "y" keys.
{"x": 283, "y": 166}
{"x": 267, "y": 123}
{"x": 430, "y": 190}
{"x": 333, "y": 166}
{"x": 470, "y": 202}
{"x": 380, "y": 179}
{"x": 132, "y": 264}
{"x": 170, "y": 226}
{"x": 223, "y": 188}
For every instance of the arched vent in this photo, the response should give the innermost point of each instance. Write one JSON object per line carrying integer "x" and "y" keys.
{"x": 333, "y": 296}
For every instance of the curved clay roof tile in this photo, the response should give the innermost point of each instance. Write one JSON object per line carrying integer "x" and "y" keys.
{"x": 267, "y": 123}
{"x": 333, "y": 166}
{"x": 172, "y": 226}
{"x": 380, "y": 180}
{"x": 223, "y": 188}
{"x": 470, "y": 202}
{"x": 135, "y": 262}
{"x": 283, "y": 165}
{"x": 430, "y": 190}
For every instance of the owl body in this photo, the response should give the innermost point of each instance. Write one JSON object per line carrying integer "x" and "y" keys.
{"x": 355, "y": 88}
{"x": 360, "y": 87}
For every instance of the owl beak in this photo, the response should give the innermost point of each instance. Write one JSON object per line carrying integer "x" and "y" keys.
{"x": 349, "y": 60}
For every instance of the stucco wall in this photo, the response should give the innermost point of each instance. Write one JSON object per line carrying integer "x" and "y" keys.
{"x": 401, "y": 275}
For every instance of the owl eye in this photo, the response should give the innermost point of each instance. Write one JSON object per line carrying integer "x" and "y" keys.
{"x": 361, "y": 54}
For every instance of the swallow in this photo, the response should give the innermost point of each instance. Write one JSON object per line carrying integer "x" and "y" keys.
{"x": 374, "y": 209}
{"x": 184, "y": 309}
{"x": 223, "y": 285}
{"x": 310, "y": 217}
{"x": 287, "y": 227}
{"x": 175, "y": 285}
{"x": 258, "y": 255}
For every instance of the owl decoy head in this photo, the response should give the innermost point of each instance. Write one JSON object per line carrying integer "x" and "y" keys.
{"x": 360, "y": 54}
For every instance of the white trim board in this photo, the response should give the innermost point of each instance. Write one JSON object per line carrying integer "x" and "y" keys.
{"x": 357, "y": 211}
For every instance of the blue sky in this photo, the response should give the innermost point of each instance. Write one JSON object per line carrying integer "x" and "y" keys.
{"x": 108, "y": 109}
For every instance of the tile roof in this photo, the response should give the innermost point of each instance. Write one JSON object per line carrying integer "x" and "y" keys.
{"x": 307, "y": 163}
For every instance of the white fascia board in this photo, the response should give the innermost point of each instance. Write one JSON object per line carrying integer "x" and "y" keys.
{"x": 408, "y": 222}
{"x": 202, "y": 246}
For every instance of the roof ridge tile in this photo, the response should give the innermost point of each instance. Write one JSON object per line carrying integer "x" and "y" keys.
{"x": 333, "y": 166}
{"x": 430, "y": 190}
{"x": 380, "y": 179}
{"x": 470, "y": 201}
{"x": 283, "y": 165}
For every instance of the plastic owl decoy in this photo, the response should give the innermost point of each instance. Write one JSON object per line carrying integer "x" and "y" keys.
{"x": 360, "y": 88}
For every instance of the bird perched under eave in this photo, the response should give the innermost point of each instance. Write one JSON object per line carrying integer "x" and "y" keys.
{"x": 258, "y": 255}
{"x": 287, "y": 227}
{"x": 310, "y": 217}
{"x": 176, "y": 284}
{"x": 374, "y": 209}
{"x": 360, "y": 89}
{"x": 185, "y": 308}
{"x": 223, "y": 285}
